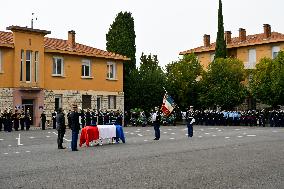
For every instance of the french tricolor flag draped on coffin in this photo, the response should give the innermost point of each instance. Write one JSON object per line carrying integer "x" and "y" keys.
{"x": 168, "y": 105}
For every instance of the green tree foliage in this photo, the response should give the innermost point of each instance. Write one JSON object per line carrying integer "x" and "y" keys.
{"x": 267, "y": 84}
{"x": 121, "y": 39}
{"x": 147, "y": 84}
{"x": 221, "y": 47}
{"x": 182, "y": 80}
{"x": 222, "y": 84}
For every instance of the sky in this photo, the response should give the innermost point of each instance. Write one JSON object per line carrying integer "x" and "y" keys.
{"x": 163, "y": 27}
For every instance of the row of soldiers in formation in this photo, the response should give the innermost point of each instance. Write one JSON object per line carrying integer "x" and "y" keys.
{"x": 88, "y": 117}
{"x": 16, "y": 119}
{"x": 275, "y": 118}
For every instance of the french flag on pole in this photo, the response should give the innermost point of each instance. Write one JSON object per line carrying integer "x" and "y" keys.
{"x": 168, "y": 105}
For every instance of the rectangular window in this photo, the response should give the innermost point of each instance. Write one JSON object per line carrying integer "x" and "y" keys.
{"x": 22, "y": 65}
{"x": 86, "y": 68}
{"x": 111, "y": 102}
{"x": 58, "y": 66}
{"x": 252, "y": 59}
{"x": 99, "y": 102}
{"x": 36, "y": 65}
{"x": 58, "y": 101}
{"x": 111, "y": 70}
{"x": 86, "y": 101}
{"x": 275, "y": 51}
{"x": 28, "y": 65}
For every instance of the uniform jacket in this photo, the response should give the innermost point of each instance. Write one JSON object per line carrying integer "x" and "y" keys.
{"x": 74, "y": 118}
{"x": 60, "y": 122}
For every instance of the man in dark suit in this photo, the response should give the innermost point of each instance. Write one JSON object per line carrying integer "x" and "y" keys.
{"x": 60, "y": 127}
{"x": 156, "y": 119}
{"x": 75, "y": 127}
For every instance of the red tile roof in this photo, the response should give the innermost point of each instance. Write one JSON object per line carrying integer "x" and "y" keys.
{"x": 251, "y": 40}
{"x": 60, "y": 45}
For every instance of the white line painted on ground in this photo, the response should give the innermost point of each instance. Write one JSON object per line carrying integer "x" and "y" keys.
{"x": 251, "y": 135}
{"x": 137, "y": 131}
{"x": 19, "y": 140}
{"x": 6, "y": 153}
{"x": 201, "y": 129}
{"x": 17, "y": 152}
{"x": 165, "y": 132}
{"x": 132, "y": 133}
{"x": 213, "y": 135}
{"x": 28, "y": 151}
{"x": 148, "y": 130}
{"x": 48, "y": 132}
{"x": 272, "y": 131}
{"x": 172, "y": 138}
{"x": 139, "y": 135}
{"x": 227, "y": 137}
{"x": 186, "y": 134}
{"x": 126, "y": 132}
{"x": 173, "y": 133}
{"x": 169, "y": 129}
{"x": 219, "y": 130}
{"x": 31, "y": 137}
{"x": 9, "y": 145}
{"x": 200, "y": 136}
{"x": 1, "y": 139}
{"x": 240, "y": 136}
{"x": 47, "y": 136}
{"x": 145, "y": 140}
{"x": 207, "y": 133}
{"x": 237, "y": 129}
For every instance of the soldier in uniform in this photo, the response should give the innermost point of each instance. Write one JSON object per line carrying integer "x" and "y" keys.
{"x": 22, "y": 120}
{"x": 88, "y": 118}
{"x": 16, "y": 119}
{"x": 156, "y": 119}
{"x": 43, "y": 120}
{"x": 83, "y": 118}
{"x": 94, "y": 115}
{"x": 75, "y": 127}
{"x": 190, "y": 120}
{"x": 60, "y": 127}
{"x": 53, "y": 115}
{"x": 28, "y": 119}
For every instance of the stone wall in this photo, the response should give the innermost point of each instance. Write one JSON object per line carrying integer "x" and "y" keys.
{"x": 70, "y": 97}
{"x": 6, "y": 98}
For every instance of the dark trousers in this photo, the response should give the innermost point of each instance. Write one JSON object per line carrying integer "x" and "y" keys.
{"x": 43, "y": 125}
{"x": 28, "y": 125}
{"x": 190, "y": 130}
{"x": 74, "y": 140}
{"x": 16, "y": 125}
{"x": 22, "y": 123}
{"x": 60, "y": 138}
{"x": 157, "y": 130}
{"x": 1, "y": 125}
{"x": 54, "y": 123}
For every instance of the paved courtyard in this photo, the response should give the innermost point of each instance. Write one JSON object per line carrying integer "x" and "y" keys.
{"x": 216, "y": 157}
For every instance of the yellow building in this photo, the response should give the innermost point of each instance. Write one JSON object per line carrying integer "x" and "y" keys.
{"x": 42, "y": 73}
{"x": 247, "y": 48}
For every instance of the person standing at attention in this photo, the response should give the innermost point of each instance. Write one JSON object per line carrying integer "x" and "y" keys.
{"x": 60, "y": 127}
{"x": 75, "y": 127}
{"x": 156, "y": 118}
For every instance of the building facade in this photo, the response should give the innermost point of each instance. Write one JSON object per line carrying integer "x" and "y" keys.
{"x": 250, "y": 49}
{"x": 247, "y": 48}
{"x": 43, "y": 74}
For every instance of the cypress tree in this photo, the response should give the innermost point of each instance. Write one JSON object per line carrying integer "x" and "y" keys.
{"x": 121, "y": 39}
{"x": 221, "y": 47}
